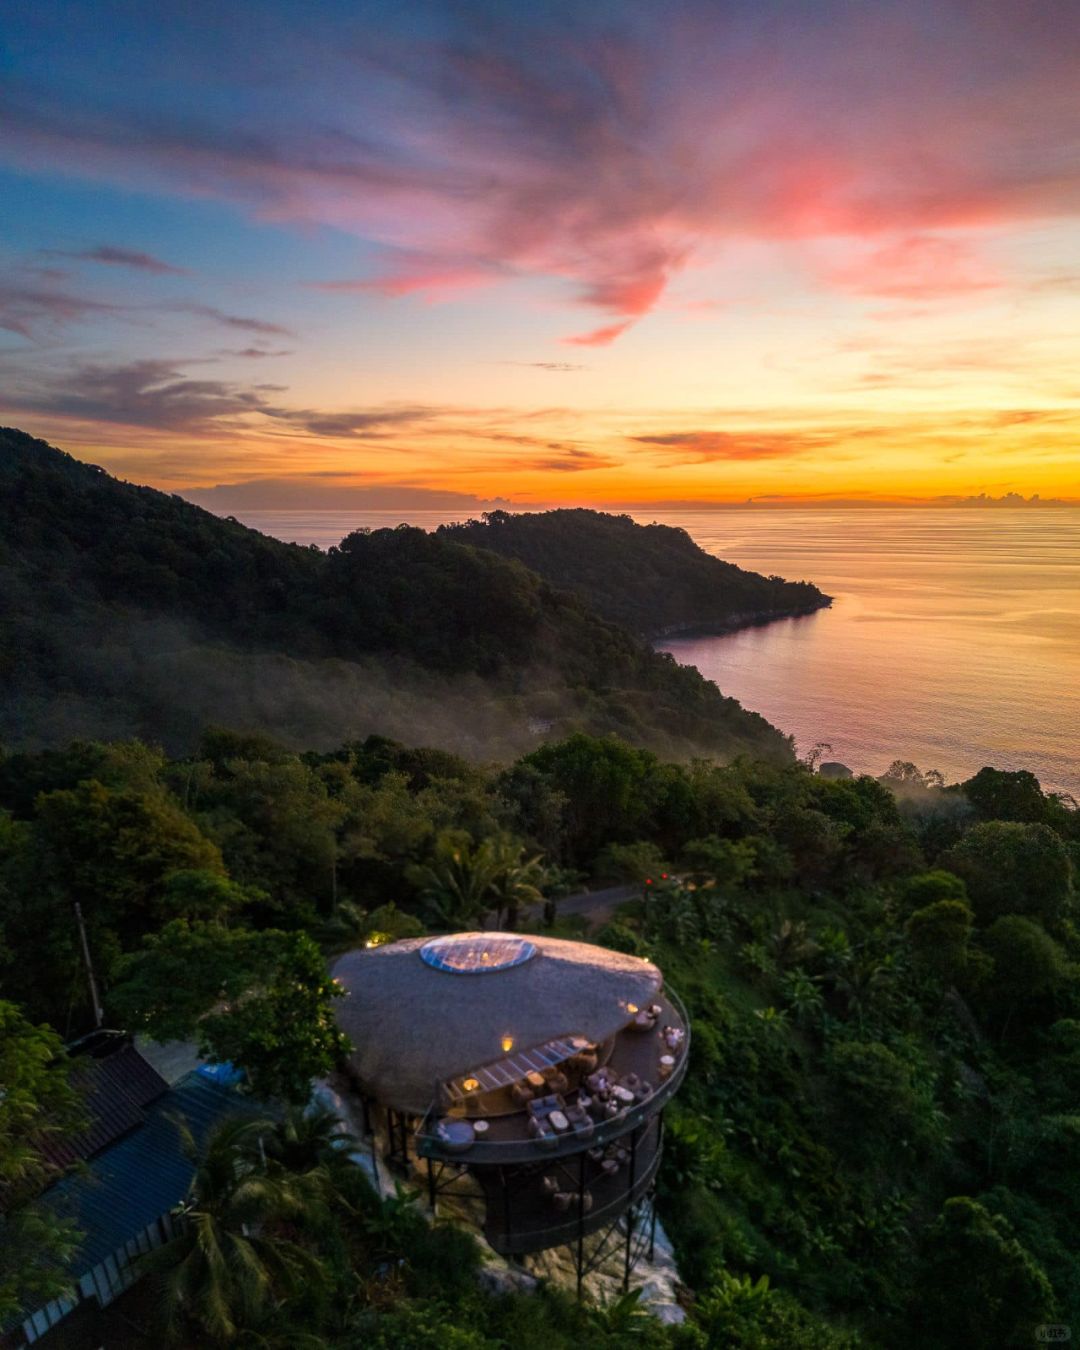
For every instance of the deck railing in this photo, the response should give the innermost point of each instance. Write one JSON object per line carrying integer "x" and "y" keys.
{"x": 498, "y": 1152}
{"x": 527, "y": 1235}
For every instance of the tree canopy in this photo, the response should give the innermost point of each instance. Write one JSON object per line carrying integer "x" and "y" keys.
{"x": 885, "y": 1002}
{"x": 130, "y": 612}
{"x": 650, "y": 578}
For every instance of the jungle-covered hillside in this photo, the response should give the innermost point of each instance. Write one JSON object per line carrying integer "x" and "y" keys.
{"x": 876, "y": 1144}
{"x": 126, "y": 611}
{"x": 652, "y": 579}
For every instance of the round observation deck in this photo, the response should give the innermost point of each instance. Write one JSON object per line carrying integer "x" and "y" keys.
{"x": 535, "y": 1068}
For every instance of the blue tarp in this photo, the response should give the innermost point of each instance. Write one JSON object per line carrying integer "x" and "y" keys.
{"x": 226, "y": 1073}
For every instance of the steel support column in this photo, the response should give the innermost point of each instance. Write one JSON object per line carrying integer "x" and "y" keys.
{"x": 630, "y": 1211}
{"x": 580, "y": 1222}
{"x": 506, "y": 1205}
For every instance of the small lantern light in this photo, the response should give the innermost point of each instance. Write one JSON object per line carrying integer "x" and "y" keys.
{"x": 471, "y": 1084}
{"x": 507, "y": 1044}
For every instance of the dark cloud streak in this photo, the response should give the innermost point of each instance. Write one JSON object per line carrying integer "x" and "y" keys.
{"x": 29, "y": 310}
{"x": 119, "y": 257}
{"x": 242, "y": 322}
{"x": 692, "y": 447}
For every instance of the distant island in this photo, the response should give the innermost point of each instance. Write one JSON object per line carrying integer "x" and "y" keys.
{"x": 130, "y": 612}
{"x": 652, "y": 579}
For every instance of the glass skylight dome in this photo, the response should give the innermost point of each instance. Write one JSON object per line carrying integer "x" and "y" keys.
{"x": 477, "y": 953}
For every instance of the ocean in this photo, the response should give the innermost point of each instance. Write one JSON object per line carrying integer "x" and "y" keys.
{"x": 953, "y": 640}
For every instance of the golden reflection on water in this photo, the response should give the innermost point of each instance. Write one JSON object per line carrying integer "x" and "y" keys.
{"x": 953, "y": 640}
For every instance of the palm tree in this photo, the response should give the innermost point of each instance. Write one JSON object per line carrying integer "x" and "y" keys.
{"x": 517, "y": 880}
{"x": 861, "y": 981}
{"x": 791, "y": 945}
{"x": 456, "y": 884}
{"x": 306, "y": 1138}
{"x": 228, "y": 1266}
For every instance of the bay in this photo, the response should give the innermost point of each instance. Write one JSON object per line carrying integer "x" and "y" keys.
{"x": 953, "y": 640}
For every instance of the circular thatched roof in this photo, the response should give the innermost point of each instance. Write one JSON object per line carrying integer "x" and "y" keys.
{"x": 413, "y": 1023}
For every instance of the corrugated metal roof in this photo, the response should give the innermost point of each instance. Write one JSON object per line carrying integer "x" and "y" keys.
{"x": 117, "y": 1088}
{"x": 126, "y": 1187}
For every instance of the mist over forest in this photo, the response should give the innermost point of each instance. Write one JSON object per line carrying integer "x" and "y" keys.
{"x": 131, "y": 612}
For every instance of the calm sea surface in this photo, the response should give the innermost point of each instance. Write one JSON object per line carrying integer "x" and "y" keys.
{"x": 953, "y": 639}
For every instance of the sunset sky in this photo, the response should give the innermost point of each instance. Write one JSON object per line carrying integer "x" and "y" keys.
{"x": 610, "y": 253}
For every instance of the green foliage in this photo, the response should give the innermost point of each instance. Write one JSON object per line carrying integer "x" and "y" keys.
{"x": 620, "y": 937}
{"x": 874, "y": 1083}
{"x": 38, "y": 1103}
{"x": 607, "y": 788}
{"x": 739, "y": 1311}
{"x": 517, "y": 879}
{"x": 978, "y": 1285}
{"x": 652, "y": 578}
{"x": 262, "y": 1001}
{"x": 639, "y": 862}
{"x": 863, "y": 1047}
{"x": 929, "y": 888}
{"x": 1014, "y": 868}
{"x": 1029, "y": 968}
{"x": 456, "y": 886}
{"x": 114, "y": 849}
{"x": 303, "y": 1139}
{"x": 998, "y": 795}
{"x": 129, "y": 610}
{"x": 939, "y": 936}
{"x": 228, "y": 1268}
{"x": 198, "y": 894}
{"x": 352, "y": 926}
{"x": 724, "y": 862}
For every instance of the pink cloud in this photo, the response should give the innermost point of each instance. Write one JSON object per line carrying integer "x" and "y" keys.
{"x": 917, "y": 267}
{"x": 600, "y": 337}
{"x": 607, "y": 153}
{"x": 408, "y": 272}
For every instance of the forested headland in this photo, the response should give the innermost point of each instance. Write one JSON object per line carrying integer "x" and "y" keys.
{"x": 653, "y": 579}
{"x": 125, "y": 611}
{"x": 875, "y": 1144}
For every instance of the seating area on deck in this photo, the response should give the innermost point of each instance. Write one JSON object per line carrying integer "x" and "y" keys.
{"x": 568, "y": 1092}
